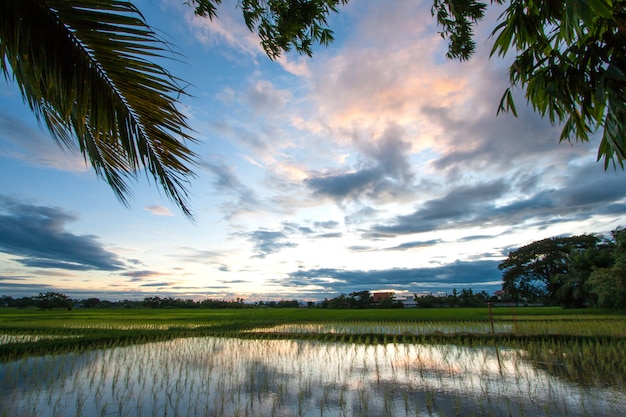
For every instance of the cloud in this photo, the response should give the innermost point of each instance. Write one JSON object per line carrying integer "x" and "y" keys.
{"x": 229, "y": 28}
{"x": 140, "y": 275}
{"x": 19, "y": 289}
{"x": 269, "y": 242}
{"x": 34, "y": 147}
{"x": 158, "y": 210}
{"x": 478, "y": 275}
{"x": 330, "y": 235}
{"x": 460, "y": 205}
{"x": 385, "y": 174}
{"x": 158, "y": 284}
{"x": 412, "y": 245}
{"x": 37, "y": 236}
{"x": 330, "y": 224}
{"x": 582, "y": 193}
{"x": 227, "y": 183}
{"x": 265, "y": 99}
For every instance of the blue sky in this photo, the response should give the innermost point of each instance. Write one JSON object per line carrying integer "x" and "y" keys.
{"x": 375, "y": 165}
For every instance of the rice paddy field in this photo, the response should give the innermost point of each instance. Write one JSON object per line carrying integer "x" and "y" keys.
{"x": 310, "y": 362}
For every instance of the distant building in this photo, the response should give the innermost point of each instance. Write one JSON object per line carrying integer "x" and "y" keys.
{"x": 377, "y": 297}
{"x": 500, "y": 294}
{"x": 409, "y": 302}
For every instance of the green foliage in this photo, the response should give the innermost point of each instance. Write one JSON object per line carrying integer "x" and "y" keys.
{"x": 570, "y": 60}
{"x": 282, "y": 24}
{"x": 608, "y": 284}
{"x": 575, "y": 271}
{"x": 467, "y": 298}
{"x": 457, "y": 18}
{"x": 529, "y": 272}
{"x": 573, "y": 287}
{"x": 53, "y": 300}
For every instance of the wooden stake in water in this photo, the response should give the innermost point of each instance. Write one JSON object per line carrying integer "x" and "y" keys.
{"x": 493, "y": 331}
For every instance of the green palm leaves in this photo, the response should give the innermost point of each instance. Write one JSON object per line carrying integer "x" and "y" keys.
{"x": 86, "y": 68}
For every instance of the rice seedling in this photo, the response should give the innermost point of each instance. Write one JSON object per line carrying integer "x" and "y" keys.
{"x": 227, "y": 376}
{"x": 309, "y": 363}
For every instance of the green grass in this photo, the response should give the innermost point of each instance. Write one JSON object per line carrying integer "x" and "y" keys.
{"x": 104, "y": 328}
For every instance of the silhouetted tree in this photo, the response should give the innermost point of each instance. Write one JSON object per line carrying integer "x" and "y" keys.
{"x": 53, "y": 300}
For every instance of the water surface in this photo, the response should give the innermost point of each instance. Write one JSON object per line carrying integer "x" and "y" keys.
{"x": 234, "y": 377}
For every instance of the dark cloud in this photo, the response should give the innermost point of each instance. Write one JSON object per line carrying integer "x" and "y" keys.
{"x": 580, "y": 194}
{"x": 462, "y": 204}
{"x": 268, "y": 242}
{"x": 385, "y": 173}
{"x": 350, "y": 185}
{"x": 477, "y": 275}
{"x": 157, "y": 284}
{"x": 474, "y": 237}
{"x": 412, "y": 245}
{"x": 140, "y": 275}
{"x": 331, "y": 224}
{"x": 330, "y": 235}
{"x": 36, "y": 235}
{"x": 361, "y": 248}
{"x": 18, "y": 289}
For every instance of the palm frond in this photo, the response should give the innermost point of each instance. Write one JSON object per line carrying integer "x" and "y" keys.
{"x": 87, "y": 69}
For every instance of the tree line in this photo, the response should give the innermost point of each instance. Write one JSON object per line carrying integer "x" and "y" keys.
{"x": 365, "y": 299}
{"x": 576, "y": 271}
{"x": 356, "y": 300}
{"x": 52, "y": 300}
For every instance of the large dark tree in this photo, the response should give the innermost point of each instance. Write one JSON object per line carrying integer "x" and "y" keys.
{"x": 573, "y": 288}
{"x": 361, "y": 299}
{"x": 535, "y": 271}
{"x": 608, "y": 284}
{"x": 52, "y": 300}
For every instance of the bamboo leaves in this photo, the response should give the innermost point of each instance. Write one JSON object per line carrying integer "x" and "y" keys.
{"x": 282, "y": 25}
{"x": 570, "y": 61}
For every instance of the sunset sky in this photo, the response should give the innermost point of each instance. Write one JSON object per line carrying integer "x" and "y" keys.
{"x": 377, "y": 164}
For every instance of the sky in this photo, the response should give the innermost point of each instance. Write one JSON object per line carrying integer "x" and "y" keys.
{"x": 377, "y": 164}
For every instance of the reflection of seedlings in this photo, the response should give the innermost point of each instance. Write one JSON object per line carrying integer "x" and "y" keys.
{"x": 363, "y": 402}
{"x": 225, "y": 377}
{"x": 430, "y": 401}
{"x": 388, "y": 404}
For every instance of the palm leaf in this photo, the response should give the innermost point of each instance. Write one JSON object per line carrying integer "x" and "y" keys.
{"x": 87, "y": 69}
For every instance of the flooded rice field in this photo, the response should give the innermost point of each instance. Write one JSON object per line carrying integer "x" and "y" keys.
{"x": 237, "y": 377}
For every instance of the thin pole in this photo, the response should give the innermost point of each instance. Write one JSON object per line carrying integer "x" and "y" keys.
{"x": 493, "y": 331}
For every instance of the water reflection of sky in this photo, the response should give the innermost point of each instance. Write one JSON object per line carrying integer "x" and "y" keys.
{"x": 232, "y": 377}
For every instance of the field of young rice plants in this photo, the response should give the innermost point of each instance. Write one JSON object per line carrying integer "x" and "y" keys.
{"x": 266, "y": 365}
